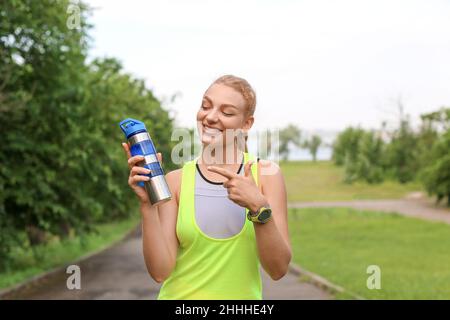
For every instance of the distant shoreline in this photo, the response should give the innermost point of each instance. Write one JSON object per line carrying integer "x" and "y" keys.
{"x": 323, "y": 153}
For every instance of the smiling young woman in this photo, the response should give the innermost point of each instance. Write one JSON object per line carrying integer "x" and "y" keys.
{"x": 226, "y": 217}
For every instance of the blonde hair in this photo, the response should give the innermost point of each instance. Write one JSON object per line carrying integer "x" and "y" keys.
{"x": 243, "y": 87}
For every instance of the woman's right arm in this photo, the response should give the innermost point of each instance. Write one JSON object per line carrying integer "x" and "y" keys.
{"x": 159, "y": 240}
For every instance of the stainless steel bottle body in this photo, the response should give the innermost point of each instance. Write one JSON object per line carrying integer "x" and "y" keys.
{"x": 157, "y": 188}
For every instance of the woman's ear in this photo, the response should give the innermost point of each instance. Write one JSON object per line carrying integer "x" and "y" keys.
{"x": 248, "y": 123}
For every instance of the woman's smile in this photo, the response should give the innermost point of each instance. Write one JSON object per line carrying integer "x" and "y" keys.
{"x": 210, "y": 131}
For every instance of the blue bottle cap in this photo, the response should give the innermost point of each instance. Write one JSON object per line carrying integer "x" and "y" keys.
{"x": 131, "y": 126}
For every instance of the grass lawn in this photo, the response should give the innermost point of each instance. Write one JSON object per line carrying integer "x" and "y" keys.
{"x": 322, "y": 181}
{"x": 59, "y": 253}
{"x": 339, "y": 244}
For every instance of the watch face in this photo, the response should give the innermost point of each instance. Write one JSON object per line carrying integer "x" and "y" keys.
{"x": 265, "y": 214}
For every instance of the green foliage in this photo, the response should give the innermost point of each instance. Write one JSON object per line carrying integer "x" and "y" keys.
{"x": 287, "y": 135}
{"x": 63, "y": 168}
{"x": 28, "y": 261}
{"x": 40, "y": 76}
{"x": 113, "y": 96}
{"x": 437, "y": 120}
{"x": 361, "y": 154}
{"x": 402, "y": 158}
{"x": 313, "y": 145}
{"x": 346, "y": 145}
{"x": 433, "y": 124}
{"x": 436, "y": 176}
{"x": 367, "y": 164}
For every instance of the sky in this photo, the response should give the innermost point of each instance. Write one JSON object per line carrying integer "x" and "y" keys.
{"x": 322, "y": 65}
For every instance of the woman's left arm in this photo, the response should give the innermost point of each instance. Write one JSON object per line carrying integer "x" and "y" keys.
{"x": 272, "y": 238}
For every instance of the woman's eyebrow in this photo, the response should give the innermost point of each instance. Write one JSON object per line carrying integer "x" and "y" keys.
{"x": 223, "y": 105}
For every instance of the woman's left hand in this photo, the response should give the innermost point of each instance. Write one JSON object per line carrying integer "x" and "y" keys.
{"x": 242, "y": 189}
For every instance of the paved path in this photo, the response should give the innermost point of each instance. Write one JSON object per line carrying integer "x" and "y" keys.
{"x": 418, "y": 207}
{"x": 120, "y": 273}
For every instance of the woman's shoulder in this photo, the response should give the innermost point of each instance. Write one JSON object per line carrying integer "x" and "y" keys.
{"x": 271, "y": 177}
{"x": 269, "y": 171}
{"x": 174, "y": 175}
{"x": 268, "y": 167}
{"x": 173, "y": 179}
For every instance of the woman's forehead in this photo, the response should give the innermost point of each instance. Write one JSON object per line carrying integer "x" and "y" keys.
{"x": 223, "y": 94}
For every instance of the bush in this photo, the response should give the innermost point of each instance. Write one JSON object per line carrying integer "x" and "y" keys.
{"x": 436, "y": 176}
{"x": 402, "y": 159}
{"x": 405, "y": 154}
{"x": 367, "y": 164}
{"x": 346, "y": 146}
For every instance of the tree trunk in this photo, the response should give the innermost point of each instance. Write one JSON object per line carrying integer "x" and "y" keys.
{"x": 35, "y": 235}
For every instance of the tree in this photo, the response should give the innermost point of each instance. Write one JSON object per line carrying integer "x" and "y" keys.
{"x": 346, "y": 145}
{"x": 287, "y": 135}
{"x": 402, "y": 158}
{"x": 438, "y": 120}
{"x": 313, "y": 145}
{"x": 405, "y": 153}
{"x": 63, "y": 168}
{"x": 41, "y": 85}
{"x": 432, "y": 126}
{"x": 436, "y": 176}
{"x": 367, "y": 165}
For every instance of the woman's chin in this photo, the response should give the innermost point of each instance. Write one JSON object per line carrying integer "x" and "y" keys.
{"x": 214, "y": 144}
{"x": 210, "y": 140}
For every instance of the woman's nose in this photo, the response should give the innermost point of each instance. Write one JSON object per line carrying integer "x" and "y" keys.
{"x": 212, "y": 116}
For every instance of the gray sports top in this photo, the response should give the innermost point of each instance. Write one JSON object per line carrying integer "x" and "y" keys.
{"x": 216, "y": 215}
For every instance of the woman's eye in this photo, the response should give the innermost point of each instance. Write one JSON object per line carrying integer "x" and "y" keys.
{"x": 227, "y": 114}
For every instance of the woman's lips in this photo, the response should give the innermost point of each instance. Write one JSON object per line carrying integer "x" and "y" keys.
{"x": 211, "y": 131}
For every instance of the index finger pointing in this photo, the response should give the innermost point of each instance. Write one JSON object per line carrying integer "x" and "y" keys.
{"x": 222, "y": 171}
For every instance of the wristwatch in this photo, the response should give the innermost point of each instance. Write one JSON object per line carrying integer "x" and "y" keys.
{"x": 260, "y": 216}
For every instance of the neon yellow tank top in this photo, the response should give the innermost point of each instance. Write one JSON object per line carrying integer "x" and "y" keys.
{"x": 209, "y": 268}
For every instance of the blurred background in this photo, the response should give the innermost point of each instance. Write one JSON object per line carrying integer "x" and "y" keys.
{"x": 357, "y": 93}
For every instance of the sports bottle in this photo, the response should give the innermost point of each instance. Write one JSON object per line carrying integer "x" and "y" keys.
{"x": 141, "y": 144}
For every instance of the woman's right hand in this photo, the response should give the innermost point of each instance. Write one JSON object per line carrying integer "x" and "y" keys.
{"x": 136, "y": 174}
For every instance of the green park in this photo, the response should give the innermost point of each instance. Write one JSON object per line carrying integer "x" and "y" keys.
{"x": 381, "y": 199}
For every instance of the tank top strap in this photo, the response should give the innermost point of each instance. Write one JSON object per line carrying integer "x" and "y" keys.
{"x": 187, "y": 183}
{"x": 247, "y": 158}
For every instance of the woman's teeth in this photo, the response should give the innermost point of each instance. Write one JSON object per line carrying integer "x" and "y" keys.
{"x": 211, "y": 131}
